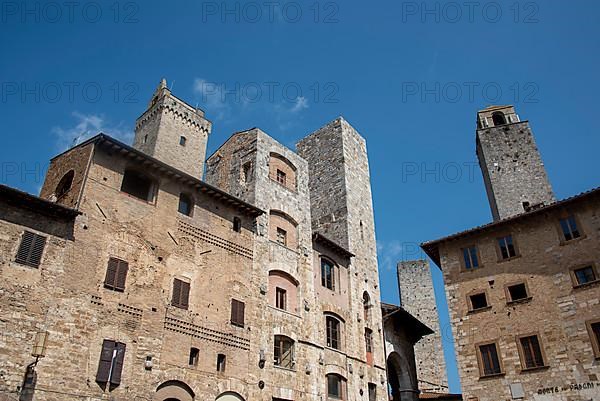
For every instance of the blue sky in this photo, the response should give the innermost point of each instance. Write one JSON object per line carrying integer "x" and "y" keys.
{"x": 409, "y": 76}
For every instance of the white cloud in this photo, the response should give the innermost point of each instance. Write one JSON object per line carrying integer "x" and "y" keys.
{"x": 213, "y": 98}
{"x": 86, "y": 126}
{"x": 392, "y": 252}
{"x": 301, "y": 104}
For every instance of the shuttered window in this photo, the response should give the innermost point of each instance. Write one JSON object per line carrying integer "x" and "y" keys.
{"x": 31, "y": 249}
{"x": 116, "y": 274}
{"x": 237, "y": 312}
{"x": 110, "y": 366}
{"x": 181, "y": 294}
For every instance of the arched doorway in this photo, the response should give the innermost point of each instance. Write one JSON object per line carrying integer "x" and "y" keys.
{"x": 402, "y": 387}
{"x": 498, "y": 118}
{"x": 230, "y": 396}
{"x": 174, "y": 390}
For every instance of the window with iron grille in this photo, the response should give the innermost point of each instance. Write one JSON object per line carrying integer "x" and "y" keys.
{"x": 333, "y": 332}
{"x": 283, "y": 352}
{"x": 569, "y": 228}
{"x": 181, "y": 294}
{"x": 237, "y": 312}
{"x": 490, "y": 362}
{"x": 116, "y": 274}
{"x": 31, "y": 249}
{"x": 470, "y": 258}
{"x": 507, "y": 247}
{"x": 531, "y": 352}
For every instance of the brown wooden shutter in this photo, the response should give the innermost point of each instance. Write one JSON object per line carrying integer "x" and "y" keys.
{"x": 237, "y": 312}
{"x": 115, "y": 377}
{"x": 176, "y": 293}
{"x": 111, "y": 273}
{"x": 184, "y": 295}
{"x": 31, "y": 249}
{"x": 105, "y": 363}
{"x": 121, "y": 276}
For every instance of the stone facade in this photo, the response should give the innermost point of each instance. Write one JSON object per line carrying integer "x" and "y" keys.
{"x": 524, "y": 299}
{"x": 210, "y": 291}
{"x": 513, "y": 171}
{"x": 418, "y": 298}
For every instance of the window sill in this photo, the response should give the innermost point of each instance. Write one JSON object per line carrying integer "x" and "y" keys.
{"x": 535, "y": 369}
{"x": 472, "y": 269}
{"x": 474, "y": 311}
{"x": 586, "y": 285}
{"x": 284, "y": 368}
{"x": 519, "y": 301}
{"x": 501, "y": 260}
{"x": 284, "y": 246}
{"x": 286, "y": 312}
{"x": 284, "y": 186}
{"x": 494, "y": 376}
{"x": 335, "y": 350}
{"x": 564, "y": 242}
{"x": 151, "y": 203}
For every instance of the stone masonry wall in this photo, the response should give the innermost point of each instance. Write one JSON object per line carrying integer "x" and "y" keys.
{"x": 418, "y": 298}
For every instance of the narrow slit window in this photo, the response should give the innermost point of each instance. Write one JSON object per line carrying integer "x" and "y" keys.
{"x": 221, "y": 361}
{"x": 237, "y": 224}
{"x": 194, "y": 356}
{"x": 280, "y": 298}
{"x": 327, "y": 274}
{"x": 333, "y": 332}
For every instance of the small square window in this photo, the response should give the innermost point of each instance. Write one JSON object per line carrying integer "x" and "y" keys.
{"x": 280, "y": 298}
{"x": 478, "y": 301}
{"x": 507, "y": 247}
{"x": 569, "y": 228}
{"x": 517, "y": 292}
{"x": 470, "y": 258}
{"x": 585, "y": 275}
{"x": 182, "y": 140}
{"x": 281, "y": 177}
{"x": 281, "y": 236}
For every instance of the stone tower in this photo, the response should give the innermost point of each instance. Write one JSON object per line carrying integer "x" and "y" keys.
{"x": 173, "y": 132}
{"x": 418, "y": 298}
{"x": 513, "y": 171}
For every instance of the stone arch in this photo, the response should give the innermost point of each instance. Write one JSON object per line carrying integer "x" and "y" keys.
{"x": 498, "y": 118}
{"x": 174, "y": 390}
{"x": 230, "y": 396}
{"x": 402, "y": 385}
{"x": 65, "y": 184}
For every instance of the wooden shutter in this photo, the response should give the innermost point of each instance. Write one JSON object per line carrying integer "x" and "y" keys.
{"x": 115, "y": 377}
{"x": 176, "y": 293}
{"x": 105, "y": 363}
{"x": 111, "y": 273}
{"x": 237, "y": 312}
{"x": 121, "y": 276}
{"x": 184, "y": 296}
{"x": 31, "y": 249}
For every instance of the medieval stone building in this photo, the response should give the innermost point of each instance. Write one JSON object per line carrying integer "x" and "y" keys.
{"x": 523, "y": 291}
{"x": 134, "y": 277}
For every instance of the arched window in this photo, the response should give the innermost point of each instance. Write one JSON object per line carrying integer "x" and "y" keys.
{"x": 498, "y": 118}
{"x": 336, "y": 387}
{"x": 328, "y": 274}
{"x": 283, "y": 290}
{"x": 333, "y": 329}
{"x": 186, "y": 205}
{"x": 282, "y": 171}
{"x": 65, "y": 184}
{"x": 283, "y": 352}
{"x": 283, "y": 229}
{"x": 366, "y": 306}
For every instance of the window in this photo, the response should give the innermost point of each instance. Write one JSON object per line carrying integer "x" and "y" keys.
{"x": 372, "y": 392}
{"x": 281, "y": 236}
{"x": 237, "y": 312}
{"x": 366, "y": 306}
{"x": 237, "y": 224}
{"x": 186, "y": 205}
{"x": 478, "y": 301}
{"x": 116, "y": 274}
{"x": 281, "y": 177}
{"x": 470, "y": 258}
{"x": 181, "y": 294}
{"x": 137, "y": 185}
{"x": 31, "y": 249}
{"x": 247, "y": 172}
{"x": 333, "y": 332}
{"x": 517, "y": 292}
{"x": 64, "y": 185}
{"x": 584, "y": 275}
{"x": 284, "y": 352}
{"x": 507, "y": 247}
{"x": 111, "y": 362}
{"x": 488, "y": 360}
{"x": 182, "y": 140}
{"x": 280, "y": 298}
{"x": 194, "y": 356}
{"x": 221, "y": 361}
{"x": 594, "y": 332}
{"x": 498, "y": 118}
{"x": 327, "y": 274}
{"x": 531, "y": 352}
{"x": 569, "y": 228}
{"x": 335, "y": 387}
{"x": 369, "y": 340}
